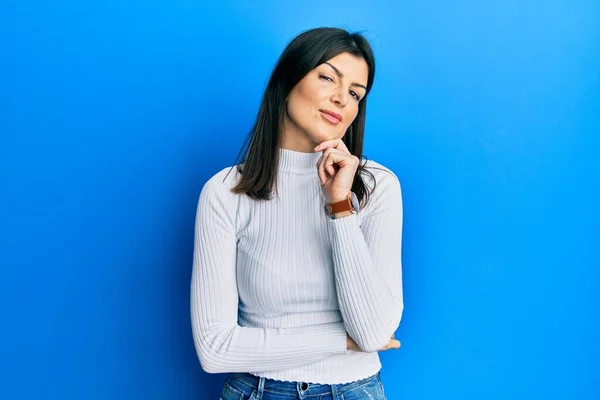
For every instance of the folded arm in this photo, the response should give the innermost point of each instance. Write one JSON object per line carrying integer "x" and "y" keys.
{"x": 367, "y": 264}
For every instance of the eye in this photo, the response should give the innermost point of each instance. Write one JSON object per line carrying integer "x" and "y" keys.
{"x": 352, "y": 92}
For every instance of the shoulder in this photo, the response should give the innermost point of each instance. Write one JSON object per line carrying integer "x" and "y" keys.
{"x": 385, "y": 186}
{"x": 222, "y": 181}
{"x": 380, "y": 175}
{"x": 216, "y": 191}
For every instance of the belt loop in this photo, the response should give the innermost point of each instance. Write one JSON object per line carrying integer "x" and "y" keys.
{"x": 261, "y": 386}
{"x": 334, "y": 392}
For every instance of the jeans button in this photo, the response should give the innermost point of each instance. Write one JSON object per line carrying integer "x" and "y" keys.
{"x": 304, "y": 386}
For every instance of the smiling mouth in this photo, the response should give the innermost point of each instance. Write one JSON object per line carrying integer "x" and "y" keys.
{"x": 330, "y": 118}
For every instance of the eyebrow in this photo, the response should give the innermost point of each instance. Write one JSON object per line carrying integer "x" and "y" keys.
{"x": 339, "y": 73}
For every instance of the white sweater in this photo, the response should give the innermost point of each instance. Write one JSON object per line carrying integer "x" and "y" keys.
{"x": 276, "y": 284}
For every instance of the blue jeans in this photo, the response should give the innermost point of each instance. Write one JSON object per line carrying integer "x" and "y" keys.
{"x": 244, "y": 386}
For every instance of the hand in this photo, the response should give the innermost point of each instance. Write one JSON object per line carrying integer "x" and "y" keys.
{"x": 392, "y": 344}
{"x": 336, "y": 169}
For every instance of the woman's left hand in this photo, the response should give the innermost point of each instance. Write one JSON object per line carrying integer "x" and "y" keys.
{"x": 336, "y": 169}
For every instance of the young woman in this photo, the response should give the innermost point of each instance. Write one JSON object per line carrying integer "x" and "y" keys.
{"x": 297, "y": 280}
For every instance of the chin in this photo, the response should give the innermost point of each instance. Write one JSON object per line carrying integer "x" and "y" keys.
{"x": 321, "y": 134}
{"x": 321, "y": 137}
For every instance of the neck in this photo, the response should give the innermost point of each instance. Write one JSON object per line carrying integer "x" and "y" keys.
{"x": 295, "y": 139}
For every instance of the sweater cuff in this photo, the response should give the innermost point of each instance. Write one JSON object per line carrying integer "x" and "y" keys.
{"x": 346, "y": 234}
{"x": 338, "y": 343}
{"x": 345, "y": 223}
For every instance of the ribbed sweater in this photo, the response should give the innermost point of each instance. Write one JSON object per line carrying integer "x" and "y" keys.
{"x": 276, "y": 284}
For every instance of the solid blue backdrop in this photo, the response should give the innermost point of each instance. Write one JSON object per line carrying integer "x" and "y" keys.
{"x": 113, "y": 114}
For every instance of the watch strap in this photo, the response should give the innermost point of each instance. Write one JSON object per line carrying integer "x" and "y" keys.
{"x": 340, "y": 206}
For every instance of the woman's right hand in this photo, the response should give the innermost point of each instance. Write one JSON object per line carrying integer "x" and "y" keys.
{"x": 392, "y": 344}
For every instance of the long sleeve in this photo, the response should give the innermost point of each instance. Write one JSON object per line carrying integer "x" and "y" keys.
{"x": 367, "y": 265}
{"x": 221, "y": 344}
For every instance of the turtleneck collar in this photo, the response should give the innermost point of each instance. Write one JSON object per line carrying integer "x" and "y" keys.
{"x": 298, "y": 162}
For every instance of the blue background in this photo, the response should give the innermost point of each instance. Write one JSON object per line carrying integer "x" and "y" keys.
{"x": 113, "y": 114}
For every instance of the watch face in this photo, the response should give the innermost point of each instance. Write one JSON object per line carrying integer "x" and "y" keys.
{"x": 355, "y": 202}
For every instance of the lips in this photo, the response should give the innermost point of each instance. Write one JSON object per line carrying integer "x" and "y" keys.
{"x": 331, "y": 116}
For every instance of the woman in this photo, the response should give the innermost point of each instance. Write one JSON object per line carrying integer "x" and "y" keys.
{"x": 297, "y": 281}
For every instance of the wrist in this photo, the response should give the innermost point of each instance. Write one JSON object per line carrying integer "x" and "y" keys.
{"x": 343, "y": 208}
{"x": 336, "y": 199}
{"x": 341, "y": 214}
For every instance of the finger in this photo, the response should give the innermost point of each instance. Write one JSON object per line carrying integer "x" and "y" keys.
{"x": 329, "y": 150}
{"x": 330, "y": 163}
{"x": 336, "y": 157}
{"x": 335, "y": 143}
{"x": 327, "y": 169}
{"x": 321, "y": 170}
{"x": 329, "y": 166}
{"x": 391, "y": 345}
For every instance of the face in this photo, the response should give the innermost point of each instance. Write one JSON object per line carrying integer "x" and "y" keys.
{"x": 325, "y": 102}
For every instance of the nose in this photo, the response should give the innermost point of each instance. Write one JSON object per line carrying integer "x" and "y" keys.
{"x": 340, "y": 98}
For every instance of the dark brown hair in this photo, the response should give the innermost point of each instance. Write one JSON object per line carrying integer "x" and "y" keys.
{"x": 304, "y": 53}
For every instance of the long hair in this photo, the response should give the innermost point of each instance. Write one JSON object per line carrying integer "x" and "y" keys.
{"x": 304, "y": 53}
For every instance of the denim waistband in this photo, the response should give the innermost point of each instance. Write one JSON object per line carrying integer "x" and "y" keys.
{"x": 292, "y": 388}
